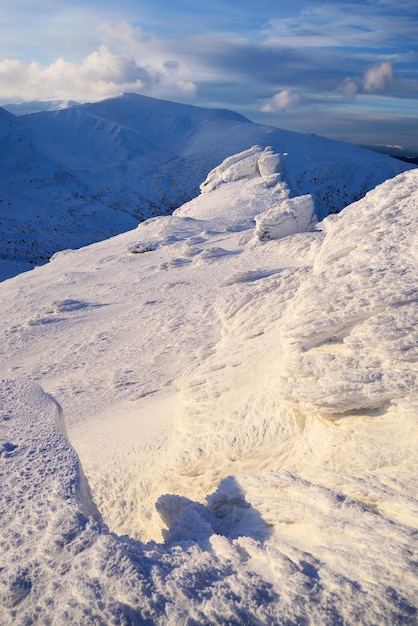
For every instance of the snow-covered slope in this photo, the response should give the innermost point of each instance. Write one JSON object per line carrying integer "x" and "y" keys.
{"x": 101, "y": 168}
{"x": 240, "y": 387}
{"x": 35, "y": 106}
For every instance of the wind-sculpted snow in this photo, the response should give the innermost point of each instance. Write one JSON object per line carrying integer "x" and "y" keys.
{"x": 248, "y": 164}
{"x": 78, "y": 175}
{"x": 364, "y": 286}
{"x": 244, "y": 408}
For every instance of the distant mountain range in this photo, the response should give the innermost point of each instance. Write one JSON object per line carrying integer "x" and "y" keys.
{"x": 398, "y": 152}
{"x": 36, "y": 106}
{"x": 73, "y": 175}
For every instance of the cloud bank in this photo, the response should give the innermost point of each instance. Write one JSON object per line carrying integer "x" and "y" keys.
{"x": 99, "y": 75}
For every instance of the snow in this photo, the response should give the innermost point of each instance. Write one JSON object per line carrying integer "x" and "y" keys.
{"x": 296, "y": 215}
{"x": 212, "y": 418}
{"x": 77, "y": 174}
{"x": 35, "y": 106}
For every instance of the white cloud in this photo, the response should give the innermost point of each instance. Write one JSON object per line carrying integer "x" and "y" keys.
{"x": 349, "y": 88}
{"x": 281, "y": 101}
{"x": 100, "y": 74}
{"x": 374, "y": 79}
{"x": 377, "y": 77}
{"x": 124, "y": 38}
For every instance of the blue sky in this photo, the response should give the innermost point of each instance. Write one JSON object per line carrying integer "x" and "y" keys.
{"x": 348, "y": 70}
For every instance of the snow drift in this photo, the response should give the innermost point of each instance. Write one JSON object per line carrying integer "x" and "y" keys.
{"x": 244, "y": 407}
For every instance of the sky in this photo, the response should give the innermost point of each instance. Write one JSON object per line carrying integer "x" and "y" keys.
{"x": 347, "y": 70}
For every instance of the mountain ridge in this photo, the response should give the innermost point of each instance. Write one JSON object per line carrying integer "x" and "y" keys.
{"x": 84, "y": 173}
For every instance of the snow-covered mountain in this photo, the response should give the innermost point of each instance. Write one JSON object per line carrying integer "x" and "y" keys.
{"x": 239, "y": 383}
{"x": 77, "y": 175}
{"x": 35, "y": 106}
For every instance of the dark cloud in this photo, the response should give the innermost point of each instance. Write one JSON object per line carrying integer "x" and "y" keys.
{"x": 171, "y": 65}
{"x": 355, "y": 126}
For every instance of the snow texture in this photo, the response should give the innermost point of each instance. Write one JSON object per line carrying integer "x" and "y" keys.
{"x": 212, "y": 418}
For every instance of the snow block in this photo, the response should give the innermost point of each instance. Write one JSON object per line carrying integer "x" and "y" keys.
{"x": 294, "y": 215}
{"x": 255, "y": 161}
{"x": 270, "y": 165}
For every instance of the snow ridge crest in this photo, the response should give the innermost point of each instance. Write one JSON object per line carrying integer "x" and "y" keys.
{"x": 256, "y": 161}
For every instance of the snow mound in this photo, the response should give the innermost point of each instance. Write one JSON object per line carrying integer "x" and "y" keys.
{"x": 261, "y": 198}
{"x": 295, "y": 215}
{"x": 247, "y": 189}
{"x": 255, "y": 161}
{"x": 362, "y": 293}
